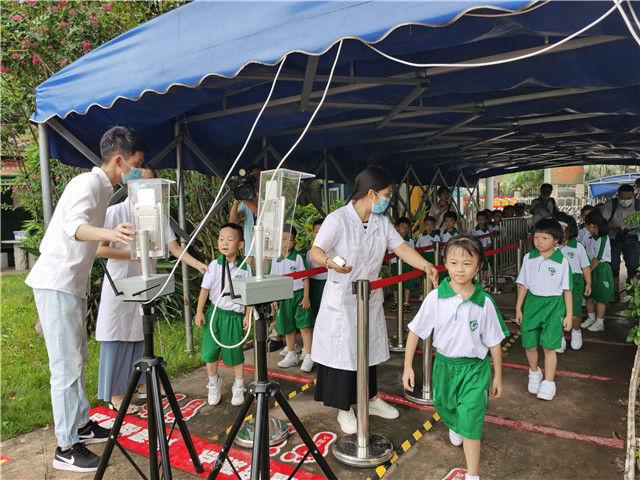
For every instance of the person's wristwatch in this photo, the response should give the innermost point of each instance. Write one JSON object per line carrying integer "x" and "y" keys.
{"x": 326, "y": 262}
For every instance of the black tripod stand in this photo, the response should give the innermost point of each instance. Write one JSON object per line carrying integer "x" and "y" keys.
{"x": 153, "y": 368}
{"x": 260, "y": 391}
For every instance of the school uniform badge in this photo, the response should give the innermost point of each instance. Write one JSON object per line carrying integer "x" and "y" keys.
{"x": 552, "y": 271}
{"x": 473, "y": 325}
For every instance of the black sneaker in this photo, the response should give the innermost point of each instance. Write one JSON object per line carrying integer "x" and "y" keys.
{"x": 93, "y": 433}
{"x": 77, "y": 459}
{"x": 274, "y": 344}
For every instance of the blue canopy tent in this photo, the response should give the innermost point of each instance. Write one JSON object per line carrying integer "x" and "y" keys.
{"x": 608, "y": 186}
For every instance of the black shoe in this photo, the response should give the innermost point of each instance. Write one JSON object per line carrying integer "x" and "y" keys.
{"x": 274, "y": 344}
{"x": 77, "y": 459}
{"x": 93, "y": 433}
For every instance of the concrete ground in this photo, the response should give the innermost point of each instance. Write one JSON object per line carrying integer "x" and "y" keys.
{"x": 578, "y": 435}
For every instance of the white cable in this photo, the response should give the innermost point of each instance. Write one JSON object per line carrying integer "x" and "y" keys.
{"x": 224, "y": 182}
{"x": 633, "y": 14}
{"x": 496, "y": 62}
{"x": 626, "y": 21}
{"x": 259, "y": 219}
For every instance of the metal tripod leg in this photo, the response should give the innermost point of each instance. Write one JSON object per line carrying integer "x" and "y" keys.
{"x": 161, "y": 431}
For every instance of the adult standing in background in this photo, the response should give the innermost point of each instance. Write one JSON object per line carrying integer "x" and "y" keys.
{"x": 247, "y": 211}
{"x": 442, "y": 206}
{"x": 60, "y": 279}
{"x": 544, "y": 206}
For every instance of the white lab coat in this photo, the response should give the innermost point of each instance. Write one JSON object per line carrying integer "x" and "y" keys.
{"x": 118, "y": 320}
{"x": 334, "y": 336}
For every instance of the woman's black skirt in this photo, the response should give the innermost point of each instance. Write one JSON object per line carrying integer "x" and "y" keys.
{"x": 339, "y": 388}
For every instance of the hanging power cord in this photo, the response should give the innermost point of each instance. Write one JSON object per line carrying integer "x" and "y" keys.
{"x": 633, "y": 14}
{"x": 498, "y": 62}
{"x": 627, "y": 21}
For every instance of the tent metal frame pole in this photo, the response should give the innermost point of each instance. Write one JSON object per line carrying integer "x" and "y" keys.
{"x": 74, "y": 141}
{"x": 201, "y": 156}
{"x": 340, "y": 171}
{"x": 186, "y": 294}
{"x": 307, "y": 85}
{"x": 406, "y": 101}
{"x": 45, "y": 174}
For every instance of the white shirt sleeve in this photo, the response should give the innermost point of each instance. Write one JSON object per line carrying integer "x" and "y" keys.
{"x": 565, "y": 280}
{"x": 207, "y": 279}
{"x": 394, "y": 240}
{"x": 425, "y": 320}
{"x": 491, "y": 332}
{"x": 78, "y": 212}
{"x": 583, "y": 260}
{"x": 300, "y": 266}
{"x": 523, "y": 276}
{"x": 169, "y": 235}
{"x": 110, "y": 219}
{"x": 329, "y": 234}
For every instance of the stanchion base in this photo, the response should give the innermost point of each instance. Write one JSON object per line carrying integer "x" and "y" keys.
{"x": 278, "y": 432}
{"x": 396, "y": 349}
{"x": 417, "y": 397}
{"x": 346, "y": 451}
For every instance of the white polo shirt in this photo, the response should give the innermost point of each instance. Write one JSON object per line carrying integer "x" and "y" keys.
{"x": 575, "y": 253}
{"x": 289, "y": 264}
{"x": 545, "y": 277}
{"x": 599, "y": 248}
{"x": 461, "y": 328}
{"x": 447, "y": 235}
{"x": 65, "y": 263}
{"x": 484, "y": 232}
{"x": 212, "y": 281}
{"x": 426, "y": 239}
{"x": 583, "y": 236}
{"x": 312, "y": 264}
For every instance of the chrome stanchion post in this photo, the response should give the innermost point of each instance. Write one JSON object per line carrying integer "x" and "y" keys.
{"x": 519, "y": 258}
{"x": 495, "y": 268}
{"x": 399, "y": 346}
{"x": 423, "y": 395}
{"x": 363, "y": 449}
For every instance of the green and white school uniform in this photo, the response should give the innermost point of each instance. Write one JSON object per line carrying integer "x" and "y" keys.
{"x": 463, "y": 332}
{"x": 227, "y": 322}
{"x": 290, "y": 313}
{"x": 601, "y": 276}
{"x": 546, "y": 279}
{"x": 426, "y": 239}
{"x": 447, "y": 235}
{"x": 482, "y": 234}
{"x": 316, "y": 286}
{"x": 576, "y": 254}
{"x": 408, "y": 284}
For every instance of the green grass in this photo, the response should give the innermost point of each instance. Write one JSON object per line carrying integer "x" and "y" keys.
{"x": 24, "y": 387}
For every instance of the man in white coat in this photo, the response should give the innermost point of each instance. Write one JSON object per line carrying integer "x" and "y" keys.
{"x": 60, "y": 279}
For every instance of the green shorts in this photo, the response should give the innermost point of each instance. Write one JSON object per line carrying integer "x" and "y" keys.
{"x": 408, "y": 284}
{"x": 429, "y": 256}
{"x": 291, "y": 315}
{"x": 577, "y": 294}
{"x": 227, "y": 327}
{"x": 316, "y": 287}
{"x": 542, "y": 321}
{"x": 461, "y": 392}
{"x": 602, "y": 283}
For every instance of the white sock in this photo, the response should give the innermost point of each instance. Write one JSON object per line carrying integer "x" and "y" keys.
{"x": 600, "y": 320}
{"x": 592, "y": 316}
{"x": 468, "y": 476}
{"x": 213, "y": 380}
{"x": 577, "y": 330}
{"x": 239, "y": 382}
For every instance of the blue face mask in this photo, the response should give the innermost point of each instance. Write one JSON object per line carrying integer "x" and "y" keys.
{"x": 134, "y": 173}
{"x": 382, "y": 205}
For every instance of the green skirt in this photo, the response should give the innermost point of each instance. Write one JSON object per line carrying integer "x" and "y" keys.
{"x": 602, "y": 283}
{"x": 577, "y": 294}
{"x": 460, "y": 393}
{"x": 542, "y": 321}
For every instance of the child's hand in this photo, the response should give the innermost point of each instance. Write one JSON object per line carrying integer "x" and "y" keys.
{"x": 519, "y": 317}
{"x": 587, "y": 290}
{"x": 408, "y": 379}
{"x": 305, "y": 303}
{"x": 245, "y": 322}
{"x": 567, "y": 322}
{"x": 496, "y": 388}
{"x": 201, "y": 267}
{"x": 274, "y": 307}
{"x": 199, "y": 319}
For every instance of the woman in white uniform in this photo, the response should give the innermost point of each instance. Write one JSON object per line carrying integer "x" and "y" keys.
{"x": 360, "y": 233}
{"x": 119, "y": 324}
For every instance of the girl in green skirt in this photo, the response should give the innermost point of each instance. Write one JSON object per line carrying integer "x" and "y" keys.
{"x": 599, "y": 252}
{"x": 403, "y": 226}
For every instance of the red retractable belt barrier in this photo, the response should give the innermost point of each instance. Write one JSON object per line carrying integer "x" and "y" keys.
{"x": 306, "y": 273}
{"x": 506, "y": 248}
{"x": 389, "y": 256}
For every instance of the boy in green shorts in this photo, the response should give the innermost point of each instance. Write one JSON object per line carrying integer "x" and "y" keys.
{"x": 429, "y": 236}
{"x": 229, "y": 319}
{"x": 544, "y": 304}
{"x": 403, "y": 226}
{"x": 293, "y": 313}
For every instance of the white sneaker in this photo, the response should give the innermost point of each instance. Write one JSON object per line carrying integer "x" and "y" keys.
{"x": 307, "y": 364}
{"x": 576, "y": 339}
{"x": 547, "y": 390}
{"x": 237, "y": 395}
{"x": 289, "y": 360}
{"x": 598, "y": 326}
{"x": 563, "y": 345}
{"x": 455, "y": 439}
{"x": 347, "y": 420}
{"x": 380, "y": 408}
{"x": 588, "y": 322}
{"x": 283, "y": 352}
{"x": 534, "y": 381}
{"x": 214, "y": 392}
{"x": 303, "y": 353}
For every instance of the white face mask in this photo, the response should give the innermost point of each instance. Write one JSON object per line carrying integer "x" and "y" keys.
{"x": 626, "y": 203}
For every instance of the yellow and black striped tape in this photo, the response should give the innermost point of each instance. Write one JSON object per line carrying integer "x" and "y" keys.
{"x": 512, "y": 339}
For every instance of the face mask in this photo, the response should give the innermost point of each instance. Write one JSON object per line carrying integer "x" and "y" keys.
{"x": 545, "y": 197}
{"x": 626, "y": 203}
{"x": 134, "y": 173}
{"x": 382, "y": 205}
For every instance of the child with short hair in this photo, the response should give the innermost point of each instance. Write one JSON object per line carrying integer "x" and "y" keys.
{"x": 316, "y": 282}
{"x": 466, "y": 325}
{"x": 579, "y": 264}
{"x": 583, "y": 233}
{"x": 403, "y": 227}
{"x": 483, "y": 232}
{"x": 496, "y": 218}
{"x": 429, "y": 236}
{"x": 544, "y": 304}
{"x": 293, "y": 313}
{"x": 602, "y": 287}
{"x": 230, "y": 318}
{"x": 449, "y": 229}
